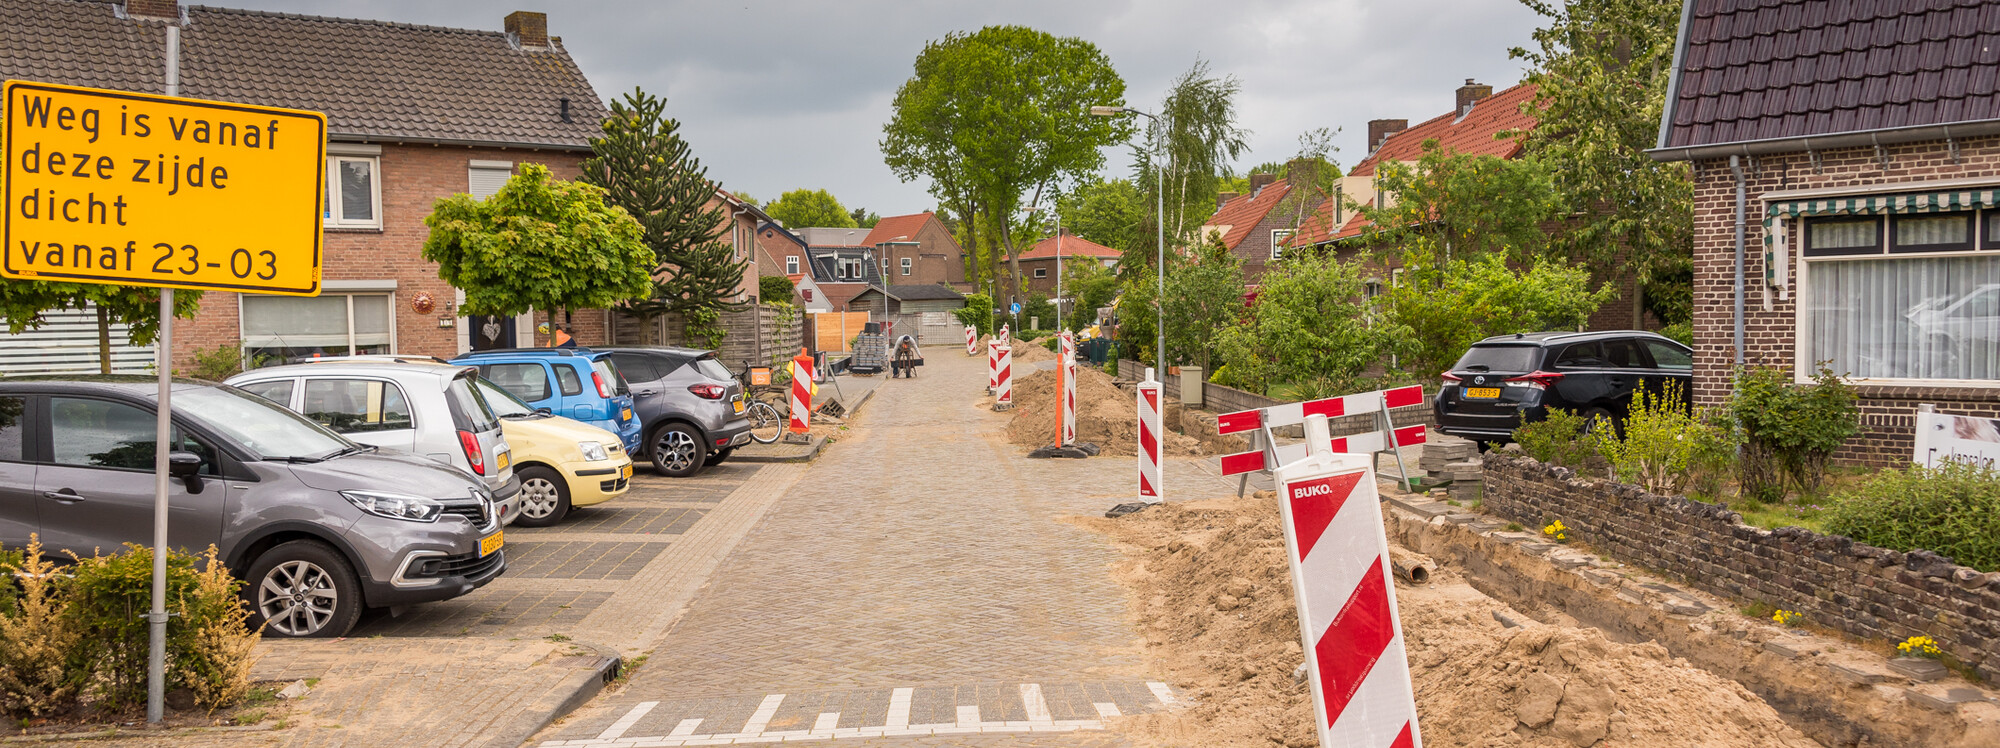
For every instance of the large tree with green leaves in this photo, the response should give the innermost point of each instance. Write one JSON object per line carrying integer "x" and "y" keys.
{"x": 646, "y": 168}
{"x": 1204, "y": 297}
{"x": 996, "y": 118}
{"x": 1452, "y": 205}
{"x": 1106, "y": 211}
{"x": 1601, "y": 69}
{"x": 1309, "y": 324}
{"x": 538, "y": 243}
{"x": 1442, "y": 307}
{"x": 1197, "y": 137}
{"x": 803, "y": 207}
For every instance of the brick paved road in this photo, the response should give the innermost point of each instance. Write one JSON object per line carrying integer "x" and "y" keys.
{"x": 916, "y": 581}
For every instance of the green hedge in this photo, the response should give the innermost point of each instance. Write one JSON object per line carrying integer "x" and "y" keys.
{"x": 1953, "y": 510}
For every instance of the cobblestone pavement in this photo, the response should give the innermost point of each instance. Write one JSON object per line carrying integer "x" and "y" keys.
{"x": 916, "y": 588}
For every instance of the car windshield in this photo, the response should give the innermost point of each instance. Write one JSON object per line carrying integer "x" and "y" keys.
{"x": 504, "y": 403}
{"x": 274, "y": 433}
{"x": 609, "y": 371}
{"x": 468, "y": 405}
{"x": 1521, "y": 358}
{"x": 712, "y": 368}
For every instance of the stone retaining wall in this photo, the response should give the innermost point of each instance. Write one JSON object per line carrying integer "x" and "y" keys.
{"x": 1835, "y": 581}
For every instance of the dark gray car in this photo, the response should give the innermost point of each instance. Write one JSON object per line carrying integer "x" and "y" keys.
{"x": 320, "y": 527}
{"x": 690, "y": 406}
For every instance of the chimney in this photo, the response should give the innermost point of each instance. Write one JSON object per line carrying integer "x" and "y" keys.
{"x": 1380, "y": 130}
{"x": 169, "y": 9}
{"x": 1223, "y": 198}
{"x": 1471, "y": 93}
{"x": 1259, "y": 181}
{"x": 528, "y": 29}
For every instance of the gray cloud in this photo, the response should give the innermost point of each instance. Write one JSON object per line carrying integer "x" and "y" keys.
{"x": 786, "y": 94}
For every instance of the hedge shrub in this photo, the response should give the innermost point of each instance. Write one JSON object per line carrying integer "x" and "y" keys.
{"x": 1953, "y": 509}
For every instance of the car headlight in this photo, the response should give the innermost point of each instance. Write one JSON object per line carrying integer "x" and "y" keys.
{"x": 593, "y": 451}
{"x": 395, "y": 505}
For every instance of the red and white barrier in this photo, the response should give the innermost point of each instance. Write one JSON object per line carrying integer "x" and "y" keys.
{"x": 992, "y": 364}
{"x": 1368, "y": 443}
{"x": 1003, "y": 388}
{"x": 802, "y": 393}
{"x": 1346, "y": 599}
{"x": 1149, "y": 439}
{"x": 971, "y": 340}
{"x": 1002, "y": 335}
{"x": 1066, "y": 382}
{"x": 1272, "y": 455}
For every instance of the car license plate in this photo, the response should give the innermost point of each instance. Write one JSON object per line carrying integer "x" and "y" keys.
{"x": 490, "y": 543}
{"x": 738, "y": 405}
{"x": 625, "y": 415}
{"x": 501, "y": 460}
{"x": 1483, "y": 393}
{"x": 626, "y": 472}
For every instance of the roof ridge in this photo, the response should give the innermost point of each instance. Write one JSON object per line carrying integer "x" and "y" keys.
{"x": 553, "y": 40}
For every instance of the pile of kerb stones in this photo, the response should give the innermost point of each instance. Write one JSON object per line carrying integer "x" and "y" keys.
{"x": 1454, "y": 462}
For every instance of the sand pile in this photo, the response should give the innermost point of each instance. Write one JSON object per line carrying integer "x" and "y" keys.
{"x": 1029, "y": 353}
{"x": 1214, "y": 601}
{"x": 1105, "y": 415}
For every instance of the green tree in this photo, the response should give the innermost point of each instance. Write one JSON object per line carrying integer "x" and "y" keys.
{"x": 996, "y": 118}
{"x": 803, "y": 207}
{"x": 1089, "y": 286}
{"x": 1199, "y": 138}
{"x": 1308, "y": 324}
{"x": 1442, "y": 307}
{"x": 1601, "y": 68}
{"x": 1453, "y": 205}
{"x": 646, "y": 168}
{"x": 1136, "y": 325}
{"x": 1106, "y": 211}
{"x": 977, "y": 312}
{"x": 863, "y": 218}
{"x": 775, "y": 289}
{"x": 1204, "y": 297}
{"x": 538, "y": 243}
{"x": 23, "y": 305}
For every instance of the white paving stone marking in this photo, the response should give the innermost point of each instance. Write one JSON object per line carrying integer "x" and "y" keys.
{"x": 762, "y": 716}
{"x": 1162, "y": 692}
{"x": 826, "y": 722}
{"x": 1107, "y": 710}
{"x": 685, "y": 728}
{"x": 899, "y": 708}
{"x": 1031, "y": 697}
{"x": 617, "y": 729}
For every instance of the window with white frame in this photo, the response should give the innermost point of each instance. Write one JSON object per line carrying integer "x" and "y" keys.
{"x": 1913, "y": 296}
{"x": 484, "y": 178}
{"x": 1041, "y": 272}
{"x": 907, "y": 265}
{"x": 289, "y": 327}
{"x": 791, "y": 264}
{"x": 1278, "y": 239}
{"x": 850, "y": 269}
{"x": 353, "y": 192}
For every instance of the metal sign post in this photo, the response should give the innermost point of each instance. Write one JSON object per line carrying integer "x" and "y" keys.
{"x": 176, "y": 193}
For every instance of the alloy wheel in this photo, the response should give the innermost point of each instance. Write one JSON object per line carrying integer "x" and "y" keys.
{"x": 678, "y": 448}
{"x": 539, "y": 498}
{"x": 297, "y": 598}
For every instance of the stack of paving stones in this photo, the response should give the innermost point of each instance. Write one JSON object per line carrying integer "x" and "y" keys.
{"x": 1449, "y": 458}
{"x": 1835, "y": 581}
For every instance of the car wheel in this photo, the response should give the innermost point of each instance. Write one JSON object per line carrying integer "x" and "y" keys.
{"x": 544, "y": 497}
{"x": 303, "y": 588}
{"x": 720, "y": 455}
{"x": 1483, "y": 446}
{"x": 677, "y": 451}
{"x": 1593, "y": 418}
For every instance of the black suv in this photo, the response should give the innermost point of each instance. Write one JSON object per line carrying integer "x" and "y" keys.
{"x": 1504, "y": 381}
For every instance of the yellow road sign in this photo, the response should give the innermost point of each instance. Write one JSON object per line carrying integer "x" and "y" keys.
{"x": 145, "y": 190}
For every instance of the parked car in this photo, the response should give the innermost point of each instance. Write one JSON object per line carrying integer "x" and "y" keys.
{"x": 690, "y": 404}
{"x": 1505, "y": 381}
{"x": 422, "y": 409}
{"x": 577, "y": 383}
{"x": 319, "y": 526}
{"x": 562, "y": 463}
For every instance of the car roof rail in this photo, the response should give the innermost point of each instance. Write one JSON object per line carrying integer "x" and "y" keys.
{"x": 575, "y": 351}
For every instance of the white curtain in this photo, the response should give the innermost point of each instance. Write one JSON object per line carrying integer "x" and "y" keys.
{"x": 1908, "y": 318}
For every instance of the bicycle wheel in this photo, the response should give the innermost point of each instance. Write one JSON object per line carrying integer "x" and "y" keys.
{"x": 766, "y": 424}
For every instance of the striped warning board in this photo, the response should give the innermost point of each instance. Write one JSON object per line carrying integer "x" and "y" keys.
{"x": 1290, "y": 414}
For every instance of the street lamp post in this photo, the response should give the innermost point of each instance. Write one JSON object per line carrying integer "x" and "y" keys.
{"x": 1159, "y": 222}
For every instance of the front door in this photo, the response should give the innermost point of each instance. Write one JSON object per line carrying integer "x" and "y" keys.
{"x": 489, "y": 333}
{"x": 96, "y": 487}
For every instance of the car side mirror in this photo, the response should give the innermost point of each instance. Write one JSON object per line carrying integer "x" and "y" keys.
{"x": 187, "y": 467}
{"x": 545, "y": 411}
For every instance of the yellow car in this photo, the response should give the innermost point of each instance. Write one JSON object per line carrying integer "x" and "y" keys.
{"x": 561, "y": 463}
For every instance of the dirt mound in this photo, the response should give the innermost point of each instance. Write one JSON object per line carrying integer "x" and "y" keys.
{"x": 1105, "y": 415}
{"x": 1028, "y": 353}
{"x": 1214, "y": 601}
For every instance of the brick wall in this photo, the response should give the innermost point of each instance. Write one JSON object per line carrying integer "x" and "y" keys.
{"x": 1769, "y": 337}
{"x": 413, "y": 178}
{"x": 1836, "y": 582}
{"x": 1255, "y": 249}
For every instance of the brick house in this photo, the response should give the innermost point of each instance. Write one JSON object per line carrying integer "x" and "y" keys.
{"x": 1855, "y": 150}
{"x": 842, "y": 272}
{"x": 490, "y": 101}
{"x": 1257, "y": 225}
{"x": 1039, "y": 262}
{"x": 918, "y": 249}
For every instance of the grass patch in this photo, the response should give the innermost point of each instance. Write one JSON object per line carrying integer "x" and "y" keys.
{"x": 630, "y": 666}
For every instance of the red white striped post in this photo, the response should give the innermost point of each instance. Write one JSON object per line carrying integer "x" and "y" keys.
{"x": 1346, "y": 598}
{"x": 993, "y": 364}
{"x": 802, "y": 379}
{"x": 1003, "y": 390}
{"x": 1002, "y": 335}
{"x": 1149, "y": 439}
{"x": 971, "y": 340}
{"x": 1066, "y": 359}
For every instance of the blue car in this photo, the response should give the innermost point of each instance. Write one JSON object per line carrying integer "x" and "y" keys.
{"x": 576, "y": 383}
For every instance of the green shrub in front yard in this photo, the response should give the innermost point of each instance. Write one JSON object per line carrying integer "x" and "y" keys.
{"x": 1557, "y": 439}
{"x": 1789, "y": 430}
{"x": 1953, "y": 509}
{"x": 1664, "y": 446}
{"x": 43, "y": 654}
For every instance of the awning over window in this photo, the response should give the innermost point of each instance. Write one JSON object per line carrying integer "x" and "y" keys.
{"x": 1862, "y": 205}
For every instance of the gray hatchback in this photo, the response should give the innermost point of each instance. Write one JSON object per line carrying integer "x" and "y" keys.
{"x": 320, "y": 527}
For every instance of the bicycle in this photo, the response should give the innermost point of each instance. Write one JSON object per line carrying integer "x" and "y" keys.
{"x": 769, "y": 408}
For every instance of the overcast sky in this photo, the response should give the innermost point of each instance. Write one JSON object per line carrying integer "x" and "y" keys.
{"x": 776, "y": 95}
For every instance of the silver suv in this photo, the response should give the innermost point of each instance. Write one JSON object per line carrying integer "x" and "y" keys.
{"x": 319, "y": 527}
{"x": 426, "y": 410}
